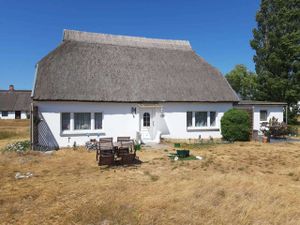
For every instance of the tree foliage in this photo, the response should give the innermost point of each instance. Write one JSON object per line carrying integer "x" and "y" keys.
{"x": 243, "y": 82}
{"x": 276, "y": 41}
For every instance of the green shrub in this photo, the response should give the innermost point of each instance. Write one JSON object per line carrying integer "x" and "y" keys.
{"x": 20, "y": 146}
{"x": 235, "y": 125}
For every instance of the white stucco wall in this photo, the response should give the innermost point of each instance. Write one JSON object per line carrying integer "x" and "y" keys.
{"x": 119, "y": 121}
{"x": 175, "y": 120}
{"x": 11, "y": 116}
{"x": 272, "y": 111}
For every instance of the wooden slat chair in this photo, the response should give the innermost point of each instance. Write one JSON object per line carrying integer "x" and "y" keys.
{"x": 104, "y": 143}
{"x": 127, "y": 152}
{"x": 106, "y": 157}
{"x": 119, "y": 139}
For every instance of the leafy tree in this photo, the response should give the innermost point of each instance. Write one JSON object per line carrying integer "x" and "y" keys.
{"x": 242, "y": 81}
{"x": 276, "y": 41}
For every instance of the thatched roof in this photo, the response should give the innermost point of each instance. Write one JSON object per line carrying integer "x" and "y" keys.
{"x": 109, "y": 68}
{"x": 250, "y": 102}
{"x": 18, "y": 100}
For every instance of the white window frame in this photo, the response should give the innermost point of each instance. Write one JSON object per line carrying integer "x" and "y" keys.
{"x": 208, "y": 126}
{"x": 266, "y": 115}
{"x": 72, "y": 129}
{"x": 7, "y": 112}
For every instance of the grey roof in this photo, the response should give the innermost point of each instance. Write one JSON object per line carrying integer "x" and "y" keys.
{"x": 109, "y": 68}
{"x": 18, "y": 100}
{"x": 250, "y": 102}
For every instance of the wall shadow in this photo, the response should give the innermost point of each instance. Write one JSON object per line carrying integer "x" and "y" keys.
{"x": 46, "y": 140}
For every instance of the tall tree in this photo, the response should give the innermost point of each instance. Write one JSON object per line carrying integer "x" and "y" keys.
{"x": 243, "y": 82}
{"x": 276, "y": 41}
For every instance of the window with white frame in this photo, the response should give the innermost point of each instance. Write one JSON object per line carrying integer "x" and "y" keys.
{"x": 4, "y": 113}
{"x": 263, "y": 115}
{"x": 201, "y": 119}
{"x": 82, "y": 121}
{"x": 98, "y": 121}
{"x": 212, "y": 116}
{"x": 65, "y": 121}
{"x": 189, "y": 119}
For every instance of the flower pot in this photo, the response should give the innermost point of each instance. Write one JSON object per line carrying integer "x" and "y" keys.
{"x": 265, "y": 139}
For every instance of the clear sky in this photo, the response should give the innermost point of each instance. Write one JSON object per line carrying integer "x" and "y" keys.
{"x": 219, "y": 30}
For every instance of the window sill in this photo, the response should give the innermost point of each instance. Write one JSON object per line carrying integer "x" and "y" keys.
{"x": 203, "y": 129}
{"x": 82, "y": 132}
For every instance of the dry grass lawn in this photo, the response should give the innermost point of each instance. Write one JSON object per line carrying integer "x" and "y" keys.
{"x": 241, "y": 183}
{"x": 13, "y": 130}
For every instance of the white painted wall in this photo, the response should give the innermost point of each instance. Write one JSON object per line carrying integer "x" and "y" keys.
{"x": 273, "y": 111}
{"x": 119, "y": 121}
{"x": 174, "y": 122}
{"x": 11, "y": 116}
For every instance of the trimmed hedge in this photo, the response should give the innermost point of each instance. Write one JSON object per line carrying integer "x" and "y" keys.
{"x": 235, "y": 125}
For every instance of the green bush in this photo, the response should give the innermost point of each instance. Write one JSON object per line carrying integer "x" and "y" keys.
{"x": 235, "y": 125}
{"x": 19, "y": 146}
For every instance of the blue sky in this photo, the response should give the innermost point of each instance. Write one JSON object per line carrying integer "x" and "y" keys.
{"x": 218, "y": 30}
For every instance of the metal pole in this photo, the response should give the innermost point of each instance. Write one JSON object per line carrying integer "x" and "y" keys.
{"x": 286, "y": 114}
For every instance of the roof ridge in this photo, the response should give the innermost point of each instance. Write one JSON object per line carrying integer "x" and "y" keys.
{"x": 123, "y": 40}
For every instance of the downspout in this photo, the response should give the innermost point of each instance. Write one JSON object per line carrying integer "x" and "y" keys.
{"x": 31, "y": 126}
{"x": 286, "y": 114}
{"x": 32, "y": 106}
{"x": 34, "y": 80}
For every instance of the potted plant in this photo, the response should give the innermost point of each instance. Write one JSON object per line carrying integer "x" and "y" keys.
{"x": 267, "y": 136}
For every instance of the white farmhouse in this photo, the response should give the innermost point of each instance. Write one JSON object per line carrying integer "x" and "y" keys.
{"x": 15, "y": 104}
{"x": 95, "y": 85}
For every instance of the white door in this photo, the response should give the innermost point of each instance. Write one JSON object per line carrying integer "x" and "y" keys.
{"x": 147, "y": 124}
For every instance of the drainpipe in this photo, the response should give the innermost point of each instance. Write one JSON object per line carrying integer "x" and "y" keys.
{"x": 286, "y": 114}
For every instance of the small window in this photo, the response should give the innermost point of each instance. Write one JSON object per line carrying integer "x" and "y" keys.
{"x": 263, "y": 115}
{"x": 4, "y": 113}
{"x": 146, "y": 119}
{"x": 82, "y": 121}
{"x": 200, "y": 119}
{"x": 212, "y": 119}
{"x": 65, "y": 121}
{"x": 189, "y": 119}
{"x": 98, "y": 121}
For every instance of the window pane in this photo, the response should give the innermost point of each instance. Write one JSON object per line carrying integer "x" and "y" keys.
{"x": 98, "y": 121}
{"x": 212, "y": 119}
{"x": 65, "y": 121}
{"x": 189, "y": 119}
{"x": 200, "y": 119}
{"x": 4, "y": 113}
{"x": 82, "y": 121}
{"x": 146, "y": 119}
{"x": 263, "y": 115}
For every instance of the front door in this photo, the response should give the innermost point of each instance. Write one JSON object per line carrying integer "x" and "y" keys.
{"x": 147, "y": 124}
{"x": 17, "y": 114}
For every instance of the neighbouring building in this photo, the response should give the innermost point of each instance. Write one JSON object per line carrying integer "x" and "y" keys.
{"x": 95, "y": 85}
{"x": 15, "y": 104}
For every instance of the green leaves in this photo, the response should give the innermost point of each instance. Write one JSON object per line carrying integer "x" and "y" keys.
{"x": 243, "y": 82}
{"x": 235, "y": 125}
{"x": 276, "y": 41}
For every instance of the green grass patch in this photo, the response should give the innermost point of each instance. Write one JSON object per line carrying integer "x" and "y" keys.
{"x": 7, "y": 134}
{"x": 173, "y": 155}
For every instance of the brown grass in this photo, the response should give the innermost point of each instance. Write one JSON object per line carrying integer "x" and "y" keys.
{"x": 13, "y": 130}
{"x": 241, "y": 183}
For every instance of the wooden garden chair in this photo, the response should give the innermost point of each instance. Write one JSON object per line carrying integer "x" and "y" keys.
{"x": 104, "y": 144}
